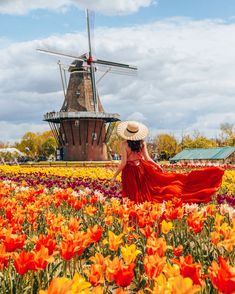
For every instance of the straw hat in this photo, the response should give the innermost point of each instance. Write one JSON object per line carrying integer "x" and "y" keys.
{"x": 132, "y": 130}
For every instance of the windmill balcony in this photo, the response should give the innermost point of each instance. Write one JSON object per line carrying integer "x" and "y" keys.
{"x": 56, "y": 117}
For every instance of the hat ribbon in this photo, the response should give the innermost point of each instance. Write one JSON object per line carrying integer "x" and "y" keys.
{"x": 133, "y": 132}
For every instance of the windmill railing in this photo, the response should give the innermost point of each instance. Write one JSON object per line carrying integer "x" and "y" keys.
{"x": 56, "y": 117}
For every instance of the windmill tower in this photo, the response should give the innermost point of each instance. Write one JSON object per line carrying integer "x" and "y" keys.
{"x": 82, "y": 128}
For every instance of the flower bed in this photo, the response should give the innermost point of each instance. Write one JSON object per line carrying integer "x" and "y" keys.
{"x": 65, "y": 232}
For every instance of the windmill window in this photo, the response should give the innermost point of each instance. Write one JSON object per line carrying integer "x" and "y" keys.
{"x": 76, "y": 123}
{"x": 94, "y": 136}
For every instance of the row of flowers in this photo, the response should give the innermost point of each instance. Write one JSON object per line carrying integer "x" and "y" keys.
{"x": 83, "y": 175}
{"x": 61, "y": 238}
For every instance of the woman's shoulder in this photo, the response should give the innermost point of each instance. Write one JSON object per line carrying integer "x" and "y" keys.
{"x": 124, "y": 144}
{"x": 144, "y": 145}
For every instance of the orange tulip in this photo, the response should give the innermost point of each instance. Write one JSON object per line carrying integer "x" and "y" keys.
{"x": 13, "y": 241}
{"x": 90, "y": 210}
{"x": 112, "y": 267}
{"x": 156, "y": 246}
{"x": 4, "y": 257}
{"x": 148, "y": 232}
{"x": 96, "y": 274}
{"x": 125, "y": 274}
{"x": 108, "y": 220}
{"x": 228, "y": 241}
{"x": 210, "y": 210}
{"x": 114, "y": 241}
{"x": 41, "y": 258}
{"x": 98, "y": 259}
{"x": 47, "y": 241}
{"x": 215, "y": 237}
{"x": 95, "y": 233}
{"x": 23, "y": 262}
{"x": 178, "y": 250}
{"x": 172, "y": 213}
{"x": 116, "y": 271}
{"x": 58, "y": 286}
{"x": 196, "y": 222}
{"x": 222, "y": 276}
{"x": 153, "y": 265}
{"x": 190, "y": 269}
{"x": 67, "y": 249}
{"x": 74, "y": 224}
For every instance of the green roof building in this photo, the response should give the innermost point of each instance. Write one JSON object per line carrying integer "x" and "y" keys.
{"x": 204, "y": 155}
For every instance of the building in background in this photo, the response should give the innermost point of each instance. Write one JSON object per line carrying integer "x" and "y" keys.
{"x": 218, "y": 155}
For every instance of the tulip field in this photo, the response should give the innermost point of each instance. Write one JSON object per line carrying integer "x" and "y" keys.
{"x": 68, "y": 231}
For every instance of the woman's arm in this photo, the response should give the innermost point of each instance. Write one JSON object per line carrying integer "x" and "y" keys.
{"x": 147, "y": 157}
{"x": 123, "y": 161}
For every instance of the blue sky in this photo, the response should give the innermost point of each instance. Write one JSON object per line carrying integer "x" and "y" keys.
{"x": 41, "y": 23}
{"x": 183, "y": 50}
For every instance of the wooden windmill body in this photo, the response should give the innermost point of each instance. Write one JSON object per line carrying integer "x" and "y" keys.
{"x": 82, "y": 128}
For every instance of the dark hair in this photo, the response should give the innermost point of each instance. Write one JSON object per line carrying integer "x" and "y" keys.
{"x": 135, "y": 146}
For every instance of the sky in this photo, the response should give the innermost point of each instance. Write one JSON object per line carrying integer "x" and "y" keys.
{"x": 184, "y": 51}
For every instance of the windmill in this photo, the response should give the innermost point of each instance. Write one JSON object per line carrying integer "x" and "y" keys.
{"x": 82, "y": 128}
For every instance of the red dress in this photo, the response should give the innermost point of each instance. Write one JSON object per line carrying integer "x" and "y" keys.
{"x": 141, "y": 181}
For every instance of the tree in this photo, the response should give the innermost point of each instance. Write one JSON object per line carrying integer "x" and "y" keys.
{"x": 114, "y": 142}
{"x": 227, "y": 135}
{"x": 199, "y": 141}
{"x": 28, "y": 144}
{"x": 36, "y": 145}
{"x": 48, "y": 147}
{"x": 227, "y": 129}
{"x": 203, "y": 142}
{"x": 3, "y": 145}
{"x": 167, "y": 146}
{"x": 186, "y": 142}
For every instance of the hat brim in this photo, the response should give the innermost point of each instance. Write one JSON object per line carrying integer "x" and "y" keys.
{"x": 125, "y": 134}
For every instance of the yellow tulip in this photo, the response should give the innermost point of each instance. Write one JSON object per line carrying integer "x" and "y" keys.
{"x": 129, "y": 253}
{"x": 79, "y": 284}
{"x": 166, "y": 226}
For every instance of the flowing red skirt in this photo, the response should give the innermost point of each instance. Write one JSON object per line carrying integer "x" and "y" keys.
{"x": 143, "y": 182}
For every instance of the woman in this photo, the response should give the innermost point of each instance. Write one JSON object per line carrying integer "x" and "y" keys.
{"x": 143, "y": 179}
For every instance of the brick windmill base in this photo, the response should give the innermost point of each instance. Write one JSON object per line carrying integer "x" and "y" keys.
{"x": 82, "y": 136}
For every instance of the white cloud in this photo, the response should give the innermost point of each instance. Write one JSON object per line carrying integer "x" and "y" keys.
{"x": 104, "y": 6}
{"x": 10, "y": 132}
{"x": 185, "y": 76}
{"x": 137, "y": 116}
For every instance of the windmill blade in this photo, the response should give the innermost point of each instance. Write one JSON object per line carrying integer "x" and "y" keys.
{"x": 82, "y": 57}
{"x": 110, "y": 63}
{"x": 90, "y": 15}
{"x": 116, "y": 70}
